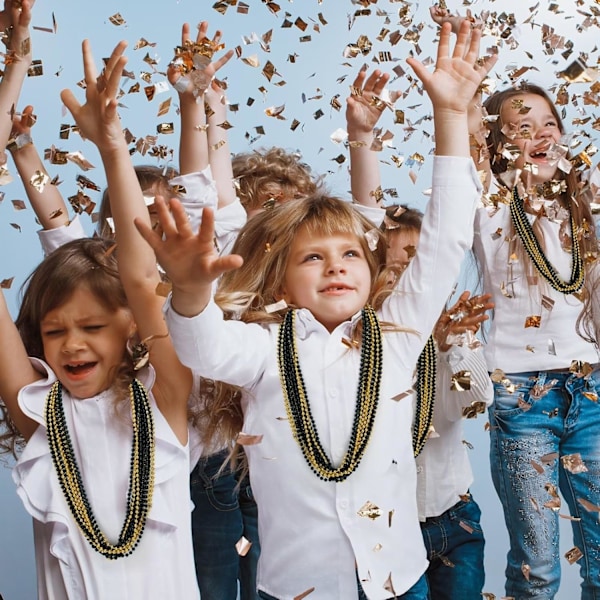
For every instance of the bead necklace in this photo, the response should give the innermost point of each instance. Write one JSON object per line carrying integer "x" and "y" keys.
{"x": 425, "y": 391}
{"x": 527, "y": 236}
{"x": 141, "y": 476}
{"x": 298, "y": 407}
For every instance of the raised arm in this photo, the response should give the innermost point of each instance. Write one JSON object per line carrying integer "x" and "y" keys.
{"x": 99, "y": 122}
{"x": 452, "y": 85}
{"x": 46, "y": 200}
{"x": 15, "y": 19}
{"x": 364, "y": 107}
{"x": 15, "y": 371}
{"x": 191, "y": 73}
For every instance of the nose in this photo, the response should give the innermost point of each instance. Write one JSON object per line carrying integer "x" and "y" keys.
{"x": 335, "y": 266}
{"x": 543, "y": 133}
{"x": 72, "y": 342}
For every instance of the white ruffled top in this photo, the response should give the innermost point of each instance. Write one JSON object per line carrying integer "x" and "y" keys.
{"x": 162, "y": 565}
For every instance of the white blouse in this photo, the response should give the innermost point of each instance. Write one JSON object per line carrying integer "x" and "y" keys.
{"x": 162, "y": 565}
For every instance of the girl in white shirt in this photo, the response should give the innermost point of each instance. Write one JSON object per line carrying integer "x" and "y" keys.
{"x": 326, "y": 430}
{"x": 105, "y": 470}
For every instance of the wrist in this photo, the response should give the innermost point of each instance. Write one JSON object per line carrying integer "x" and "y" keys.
{"x": 19, "y": 142}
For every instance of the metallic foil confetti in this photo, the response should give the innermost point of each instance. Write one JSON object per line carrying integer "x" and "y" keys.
{"x": 39, "y": 180}
{"x": 6, "y": 284}
{"x": 460, "y": 382}
{"x": 573, "y": 463}
{"x": 588, "y": 505}
{"x": 573, "y": 555}
{"x": 388, "y": 586}
{"x": 537, "y": 467}
{"x": 548, "y": 459}
{"x": 526, "y": 570}
{"x": 369, "y": 510}
{"x": 117, "y": 19}
{"x": 466, "y": 527}
{"x": 246, "y": 439}
{"x": 304, "y": 594}
{"x": 243, "y": 546}
{"x": 372, "y": 237}
{"x": 275, "y": 307}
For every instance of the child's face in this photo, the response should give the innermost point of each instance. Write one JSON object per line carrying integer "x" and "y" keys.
{"x": 84, "y": 343}
{"x": 534, "y": 131}
{"x": 401, "y": 247}
{"x": 329, "y": 275}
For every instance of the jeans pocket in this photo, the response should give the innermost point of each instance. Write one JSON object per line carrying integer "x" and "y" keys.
{"x": 222, "y": 493}
{"x": 468, "y": 515}
{"x": 513, "y": 395}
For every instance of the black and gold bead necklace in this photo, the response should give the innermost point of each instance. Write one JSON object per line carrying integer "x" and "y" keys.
{"x": 425, "y": 392}
{"x": 533, "y": 248}
{"x": 298, "y": 407}
{"x": 141, "y": 477}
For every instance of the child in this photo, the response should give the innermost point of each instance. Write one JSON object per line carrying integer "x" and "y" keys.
{"x": 544, "y": 409}
{"x": 74, "y": 477}
{"x": 224, "y": 519}
{"x": 321, "y": 531}
{"x": 449, "y": 515}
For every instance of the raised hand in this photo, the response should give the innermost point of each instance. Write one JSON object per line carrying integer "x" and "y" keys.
{"x": 190, "y": 260}
{"x": 192, "y": 70}
{"x": 466, "y": 315}
{"x": 97, "y": 118}
{"x": 367, "y": 101}
{"x": 14, "y": 26}
{"x": 23, "y": 122}
{"x": 458, "y": 71}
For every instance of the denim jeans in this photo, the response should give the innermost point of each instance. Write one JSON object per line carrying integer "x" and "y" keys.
{"x": 454, "y": 543}
{"x": 416, "y": 592}
{"x": 545, "y": 436}
{"x": 222, "y": 515}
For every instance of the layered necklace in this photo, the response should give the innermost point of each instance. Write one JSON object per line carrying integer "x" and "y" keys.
{"x": 533, "y": 248}
{"x": 298, "y": 407}
{"x": 425, "y": 392}
{"x": 141, "y": 475}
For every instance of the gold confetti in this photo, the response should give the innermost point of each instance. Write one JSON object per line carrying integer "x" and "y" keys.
{"x": 369, "y": 510}
{"x": 39, "y": 180}
{"x": 304, "y": 594}
{"x": 573, "y": 463}
{"x": 573, "y": 555}
{"x": 388, "y": 586}
{"x": 246, "y": 439}
{"x": 163, "y": 107}
{"x": 165, "y": 128}
{"x": 117, "y": 19}
{"x": 526, "y": 570}
{"x": 277, "y": 306}
{"x": 533, "y": 321}
{"x": 537, "y": 467}
{"x": 588, "y": 505}
{"x": 460, "y": 382}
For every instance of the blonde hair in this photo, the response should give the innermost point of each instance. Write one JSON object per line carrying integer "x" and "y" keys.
{"x": 271, "y": 174}
{"x": 264, "y": 243}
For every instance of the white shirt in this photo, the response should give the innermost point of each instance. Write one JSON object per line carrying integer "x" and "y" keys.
{"x": 199, "y": 191}
{"x": 311, "y": 533}
{"x": 162, "y": 565}
{"x": 511, "y": 346}
{"x": 443, "y": 468}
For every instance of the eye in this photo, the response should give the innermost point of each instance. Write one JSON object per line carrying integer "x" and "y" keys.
{"x": 311, "y": 257}
{"x": 353, "y": 253}
{"x": 525, "y": 126}
{"x": 52, "y": 332}
{"x": 93, "y": 328}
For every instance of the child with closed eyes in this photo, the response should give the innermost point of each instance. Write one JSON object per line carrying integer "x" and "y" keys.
{"x": 334, "y": 478}
{"x": 105, "y": 470}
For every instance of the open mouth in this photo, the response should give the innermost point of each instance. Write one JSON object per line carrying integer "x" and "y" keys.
{"x": 78, "y": 369}
{"x": 335, "y": 288}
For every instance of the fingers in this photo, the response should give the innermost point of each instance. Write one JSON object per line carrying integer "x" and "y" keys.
{"x": 69, "y": 100}
{"x": 223, "y": 60}
{"x": 202, "y": 29}
{"x": 185, "y": 34}
{"x": 89, "y": 66}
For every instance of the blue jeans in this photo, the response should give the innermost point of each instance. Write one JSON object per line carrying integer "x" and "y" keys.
{"x": 454, "y": 543}
{"x": 540, "y": 433}
{"x": 222, "y": 515}
{"x": 416, "y": 592}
